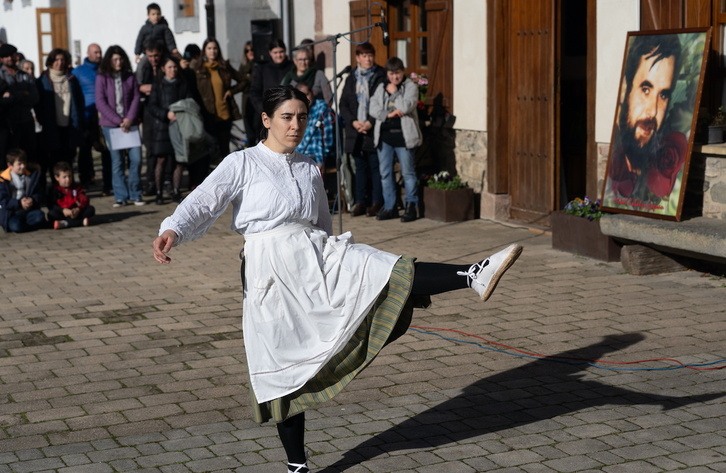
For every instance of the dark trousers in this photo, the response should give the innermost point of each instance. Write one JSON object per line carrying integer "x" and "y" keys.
{"x": 26, "y": 221}
{"x": 368, "y": 187}
{"x": 64, "y": 151}
{"x": 221, "y": 130}
{"x": 56, "y": 213}
{"x": 18, "y": 135}
{"x": 91, "y": 138}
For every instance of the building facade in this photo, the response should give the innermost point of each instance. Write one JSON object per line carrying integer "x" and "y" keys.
{"x": 521, "y": 94}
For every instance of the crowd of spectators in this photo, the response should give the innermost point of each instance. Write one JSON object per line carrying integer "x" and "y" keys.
{"x": 50, "y": 124}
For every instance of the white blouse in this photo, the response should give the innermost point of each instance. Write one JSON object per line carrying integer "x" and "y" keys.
{"x": 266, "y": 190}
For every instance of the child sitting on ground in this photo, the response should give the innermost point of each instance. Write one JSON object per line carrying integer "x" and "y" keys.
{"x": 67, "y": 202}
{"x": 20, "y": 195}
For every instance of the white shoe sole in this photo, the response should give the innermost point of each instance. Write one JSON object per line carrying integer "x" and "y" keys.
{"x": 514, "y": 252}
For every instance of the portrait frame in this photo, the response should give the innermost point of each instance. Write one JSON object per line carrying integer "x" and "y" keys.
{"x": 655, "y": 125}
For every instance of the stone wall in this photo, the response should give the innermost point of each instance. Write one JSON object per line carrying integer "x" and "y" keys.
{"x": 706, "y": 189}
{"x": 470, "y": 153}
{"x": 714, "y": 188}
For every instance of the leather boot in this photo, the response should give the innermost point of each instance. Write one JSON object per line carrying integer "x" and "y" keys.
{"x": 410, "y": 214}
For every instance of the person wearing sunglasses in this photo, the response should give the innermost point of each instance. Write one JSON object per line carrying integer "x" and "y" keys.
{"x": 246, "y": 69}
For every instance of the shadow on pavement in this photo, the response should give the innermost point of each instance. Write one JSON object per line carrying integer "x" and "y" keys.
{"x": 101, "y": 219}
{"x": 540, "y": 390}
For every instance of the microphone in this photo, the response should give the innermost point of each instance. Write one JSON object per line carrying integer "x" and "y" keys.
{"x": 384, "y": 27}
{"x": 346, "y": 70}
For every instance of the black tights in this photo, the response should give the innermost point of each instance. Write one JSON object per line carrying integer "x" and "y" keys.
{"x": 435, "y": 278}
{"x": 292, "y": 435}
{"x": 429, "y": 279}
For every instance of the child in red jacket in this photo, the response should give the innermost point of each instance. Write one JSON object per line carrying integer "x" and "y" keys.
{"x": 67, "y": 201}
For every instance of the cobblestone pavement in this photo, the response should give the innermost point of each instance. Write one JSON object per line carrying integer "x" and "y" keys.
{"x": 110, "y": 362}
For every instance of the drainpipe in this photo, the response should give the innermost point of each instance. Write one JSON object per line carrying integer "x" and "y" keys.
{"x": 285, "y": 14}
{"x": 211, "y": 28}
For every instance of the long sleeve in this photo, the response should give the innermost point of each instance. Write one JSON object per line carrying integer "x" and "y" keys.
{"x": 328, "y": 132}
{"x": 104, "y": 102}
{"x": 238, "y": 77}
{"x": 139, "y": 46}
{"x": 377, "y": 108}
{"x": 325, "y": 220}
{"x": 33, "y": 96}
{"x": 169, "y": 39}
{"x": 256, "y": 89}
{"x": 405, "y": 98}
{"x": 321, "y": 87}
{"x": 133, "y": 112}
{"x": 154, "y": 103}
{"x": 200, "y": 209}
{"x": 348, "y": 103}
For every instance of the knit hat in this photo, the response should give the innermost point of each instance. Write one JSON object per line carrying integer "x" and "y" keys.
{"x": 7, "y": 50}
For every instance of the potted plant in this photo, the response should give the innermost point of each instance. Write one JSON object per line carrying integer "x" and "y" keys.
{"x": 576, "y": 229}
{"x": 422, "y": 81}
{"x": 447, "y": 199}
{"x": 716, "y": 127}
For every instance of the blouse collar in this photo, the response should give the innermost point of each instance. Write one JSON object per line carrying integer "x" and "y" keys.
{"x": 287, "y": 156}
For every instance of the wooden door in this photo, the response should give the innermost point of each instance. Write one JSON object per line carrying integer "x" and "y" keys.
{"x": 531, "y": 102}
{"x": 52, "y": 32}
{"x": 365, "y": 13}
{"x": 440, "y": 18}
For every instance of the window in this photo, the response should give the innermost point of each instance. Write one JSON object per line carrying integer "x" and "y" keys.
{"x": 186, "y": 16}
{"x": 409, "y": 33}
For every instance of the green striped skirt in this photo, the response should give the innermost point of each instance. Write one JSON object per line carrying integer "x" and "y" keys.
{"x": 388, "y": 319}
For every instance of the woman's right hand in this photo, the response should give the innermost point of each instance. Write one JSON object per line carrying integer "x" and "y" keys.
{"x": 125, "y": 125}
{"x": 163, "y": 244}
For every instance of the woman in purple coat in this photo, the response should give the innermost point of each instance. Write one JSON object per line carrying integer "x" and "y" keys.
{"x": 117, "y": 101}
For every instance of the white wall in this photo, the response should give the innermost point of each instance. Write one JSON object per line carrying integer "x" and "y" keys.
{"x": 614, "y": 19}
{"x": 303, "y": 21}
{"x": 91, "y": 21}
{"x": 115, "y": 22}
{"x": 336, "y": 20}
{"x": 18, "y": 27}
{"x": 470, "y": 65}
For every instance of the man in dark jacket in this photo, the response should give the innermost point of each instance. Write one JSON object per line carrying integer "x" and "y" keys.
{"x": 86, "y": 75}
{"x": 354, "y": 102}
{"x": 18, "y": 100}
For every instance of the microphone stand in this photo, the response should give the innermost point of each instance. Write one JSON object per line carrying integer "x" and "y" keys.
{"x": 333, "y": 40}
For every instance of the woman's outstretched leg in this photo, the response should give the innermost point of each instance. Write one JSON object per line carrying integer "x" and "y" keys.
{"x": 292, "y": 436}
{"x": 435, "y": 278}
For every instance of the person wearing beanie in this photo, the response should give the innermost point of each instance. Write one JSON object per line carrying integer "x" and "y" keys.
{"x": 18, "y": 98}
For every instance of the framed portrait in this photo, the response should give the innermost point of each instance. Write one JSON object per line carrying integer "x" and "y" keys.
{"x": 655, "y": 122}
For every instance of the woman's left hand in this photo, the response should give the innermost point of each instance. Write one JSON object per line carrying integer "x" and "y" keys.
{"x": 227, "y": 95}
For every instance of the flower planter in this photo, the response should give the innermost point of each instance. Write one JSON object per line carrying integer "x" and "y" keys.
{"x": 449, "y": 205}
{"x": 715, "y": 134}
{"x": 583, "y": 237}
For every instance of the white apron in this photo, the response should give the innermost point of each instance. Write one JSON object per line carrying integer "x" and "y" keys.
{"x": 305, "y": 295}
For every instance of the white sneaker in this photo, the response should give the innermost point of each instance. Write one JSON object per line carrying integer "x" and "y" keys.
{"x": 484, "y": 276}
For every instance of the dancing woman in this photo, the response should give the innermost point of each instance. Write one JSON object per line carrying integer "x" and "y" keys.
{"x": 317, "y": 307}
